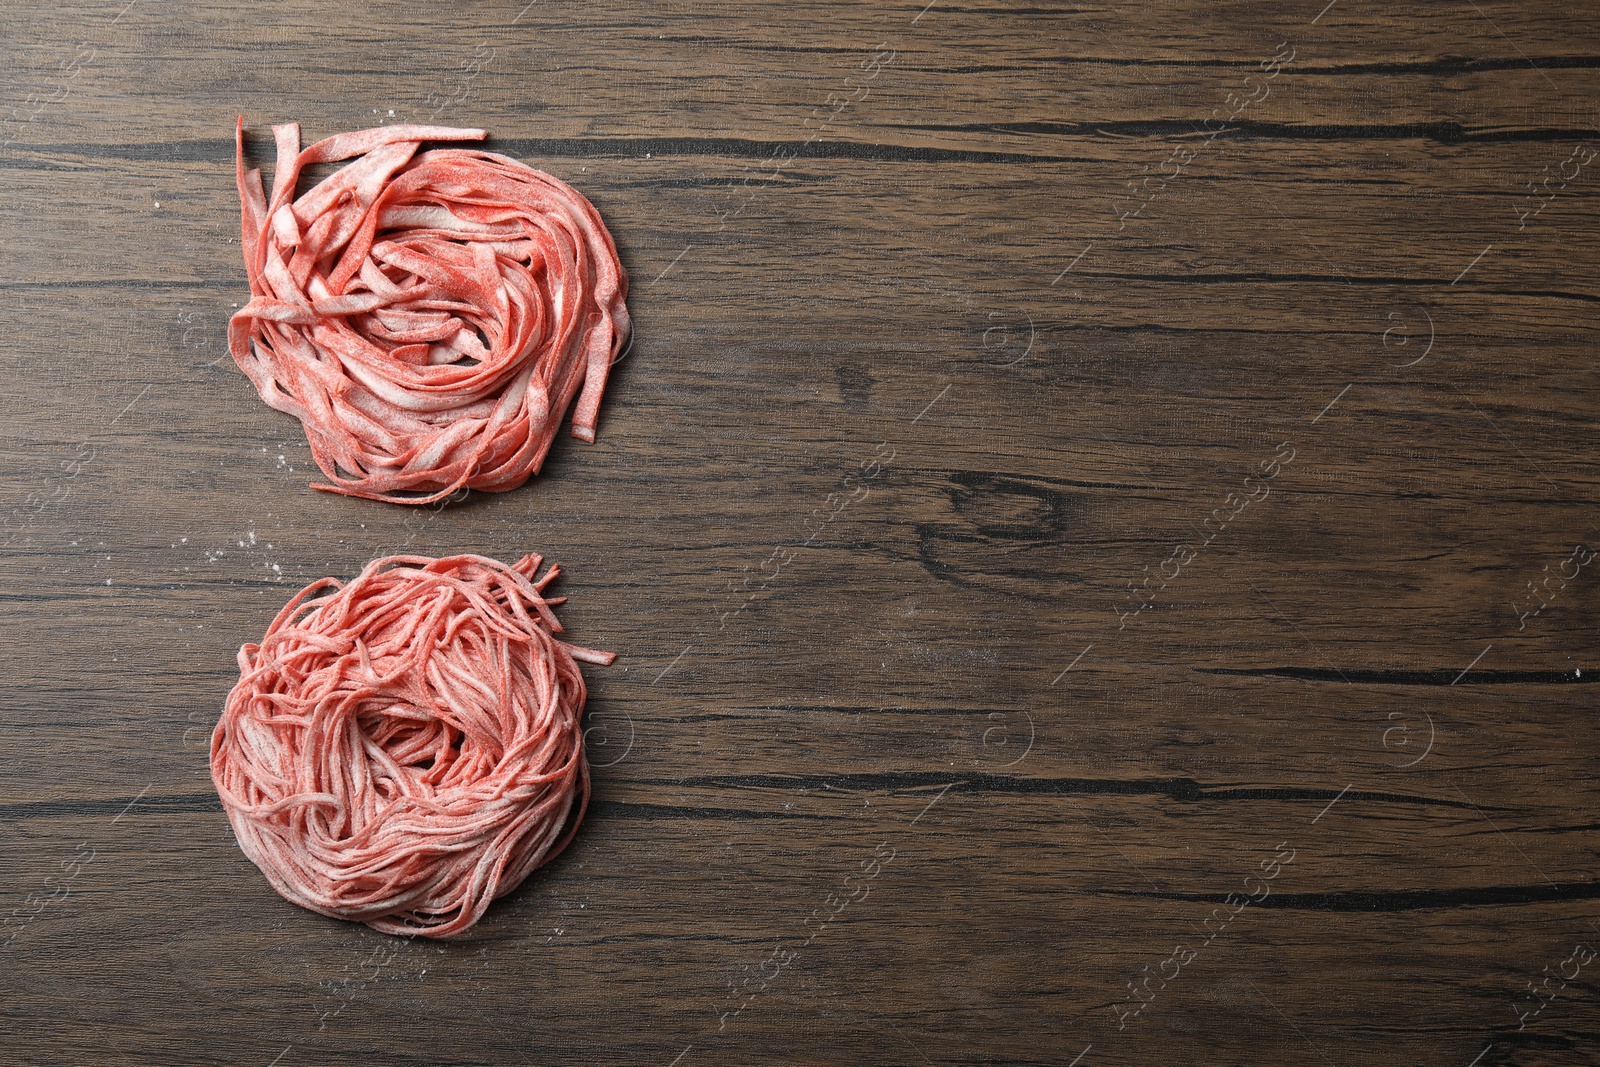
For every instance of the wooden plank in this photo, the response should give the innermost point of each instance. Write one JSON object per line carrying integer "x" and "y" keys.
{"x": 962, "y": 714}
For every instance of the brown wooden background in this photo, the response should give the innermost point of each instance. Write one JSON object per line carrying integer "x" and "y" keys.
{"x": 953, "y": 324}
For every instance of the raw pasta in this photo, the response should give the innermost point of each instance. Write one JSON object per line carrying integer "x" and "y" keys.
{"x": 429, "y": 318}
{"x": 405, "y": 748}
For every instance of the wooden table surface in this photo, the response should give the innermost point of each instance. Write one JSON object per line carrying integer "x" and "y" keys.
{"x": 1097, "y": 523}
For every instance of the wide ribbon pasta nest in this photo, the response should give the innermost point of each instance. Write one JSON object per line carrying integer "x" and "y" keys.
{"x": 428, "y": 317}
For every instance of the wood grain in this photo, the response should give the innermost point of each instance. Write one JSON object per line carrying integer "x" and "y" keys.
{"x": 972, "y": 706}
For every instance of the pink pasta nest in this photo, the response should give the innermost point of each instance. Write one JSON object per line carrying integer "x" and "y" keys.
{"x": 403, "y": 749}
{"x": 428, "y": 317}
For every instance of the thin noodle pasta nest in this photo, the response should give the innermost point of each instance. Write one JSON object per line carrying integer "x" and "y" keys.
{"x": 428, "y": 317}
{"x": 405, "y": 748}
